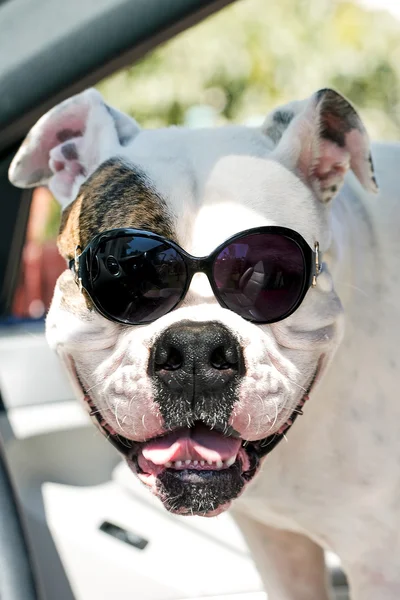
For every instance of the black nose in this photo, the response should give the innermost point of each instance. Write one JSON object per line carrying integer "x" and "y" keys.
{"x": 206, "y": 356}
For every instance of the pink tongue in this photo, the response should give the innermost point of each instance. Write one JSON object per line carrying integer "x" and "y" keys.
{"x": 198, "y": 443}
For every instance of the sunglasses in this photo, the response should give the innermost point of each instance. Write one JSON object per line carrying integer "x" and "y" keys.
{"x": 135, "y": 277}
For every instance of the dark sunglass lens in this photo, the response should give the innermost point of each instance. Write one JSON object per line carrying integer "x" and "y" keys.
{"x": 260, "y": 276}
{"x": 136, "y": 279}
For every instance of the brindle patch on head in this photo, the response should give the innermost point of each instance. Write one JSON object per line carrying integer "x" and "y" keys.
{"x": 69, "y": 236}
{"x": 118, "y": 194}
{"x": 72, "y": 300}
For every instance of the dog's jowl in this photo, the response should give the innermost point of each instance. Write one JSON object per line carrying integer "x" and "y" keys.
{"x": 219, "y": 284}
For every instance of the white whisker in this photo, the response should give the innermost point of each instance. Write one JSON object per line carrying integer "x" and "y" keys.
{"x": 276, "y": 414}
{"x": 297, "y": 384}
{"x": 143, "y": 423}
{"x": 116, "y": 416}
{"x": 93, "y": 386}
{"x": 249, "y": 420}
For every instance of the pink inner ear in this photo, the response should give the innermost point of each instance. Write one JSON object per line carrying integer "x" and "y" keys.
{"x": 65, "y": 162}
{"x": 58, "y": 166}
{"x": 62, "y": 124}
{"x": 332, "y": 163}
{"x": 63, "y": 127}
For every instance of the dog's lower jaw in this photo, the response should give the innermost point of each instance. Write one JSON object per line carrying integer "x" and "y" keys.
{"x": 194, "y": 491}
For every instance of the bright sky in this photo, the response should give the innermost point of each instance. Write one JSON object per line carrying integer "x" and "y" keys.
{"x": 392, "y": 6}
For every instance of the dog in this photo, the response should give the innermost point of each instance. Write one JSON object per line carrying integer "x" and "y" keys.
{"x": 219, "y": 284}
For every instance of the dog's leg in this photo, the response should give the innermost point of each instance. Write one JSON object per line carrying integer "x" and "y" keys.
{"x": 291, "y": 566}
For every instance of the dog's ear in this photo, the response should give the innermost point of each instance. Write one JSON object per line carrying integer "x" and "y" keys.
{"x": 68, "y": 143}
{"x": 321, "y": 138}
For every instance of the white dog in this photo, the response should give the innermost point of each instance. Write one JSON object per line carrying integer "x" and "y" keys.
{"x": 195, "y": 368}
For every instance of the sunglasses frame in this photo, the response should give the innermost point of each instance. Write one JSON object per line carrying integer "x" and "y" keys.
{"x": 81, "y": 265}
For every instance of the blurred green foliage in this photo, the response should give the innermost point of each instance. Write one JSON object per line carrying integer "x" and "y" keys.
{"x": 255, "y": 55}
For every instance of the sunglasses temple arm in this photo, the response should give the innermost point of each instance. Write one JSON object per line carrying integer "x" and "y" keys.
{"x": 317, "y": 262}
{"x": 73, "y": 265}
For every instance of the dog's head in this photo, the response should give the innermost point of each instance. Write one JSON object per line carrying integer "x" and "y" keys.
{"x": 194, "y": 397}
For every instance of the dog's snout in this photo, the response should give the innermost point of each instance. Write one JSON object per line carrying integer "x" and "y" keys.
{"x": 204, "y": 353}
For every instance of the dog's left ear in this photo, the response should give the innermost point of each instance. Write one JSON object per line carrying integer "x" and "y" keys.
{"x": 321, "y": 139}
{"x": 69, "y": 142}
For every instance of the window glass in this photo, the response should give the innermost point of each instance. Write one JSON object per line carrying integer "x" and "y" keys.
{"x": 41, "y": 263}
{"x": 235, "y": 67}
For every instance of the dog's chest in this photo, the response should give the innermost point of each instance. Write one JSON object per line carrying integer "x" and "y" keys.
{"x": 342, "y": 457}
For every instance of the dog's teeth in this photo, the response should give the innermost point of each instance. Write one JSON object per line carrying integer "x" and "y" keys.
{"x": 217, "y": 464}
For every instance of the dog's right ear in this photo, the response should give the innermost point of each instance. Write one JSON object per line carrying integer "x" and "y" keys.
{"x": 320, "y": 139}
{"x": 68, "y": 143}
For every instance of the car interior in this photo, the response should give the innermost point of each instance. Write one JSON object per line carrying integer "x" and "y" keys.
{"x": 74, "y": 523}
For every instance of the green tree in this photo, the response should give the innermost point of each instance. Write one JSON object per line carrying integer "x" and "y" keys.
{"x": 254, "y": 55}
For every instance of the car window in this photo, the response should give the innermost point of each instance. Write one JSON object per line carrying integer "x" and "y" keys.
{"x": 41, "y": 263}
{"x": 235, "y": 67}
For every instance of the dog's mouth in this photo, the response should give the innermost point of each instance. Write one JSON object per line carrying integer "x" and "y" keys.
{"x": 195, "y": 470}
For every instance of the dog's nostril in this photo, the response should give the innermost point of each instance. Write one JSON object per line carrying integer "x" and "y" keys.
{"x": 168, "y": 360}
{"x": 223, "y": 358}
